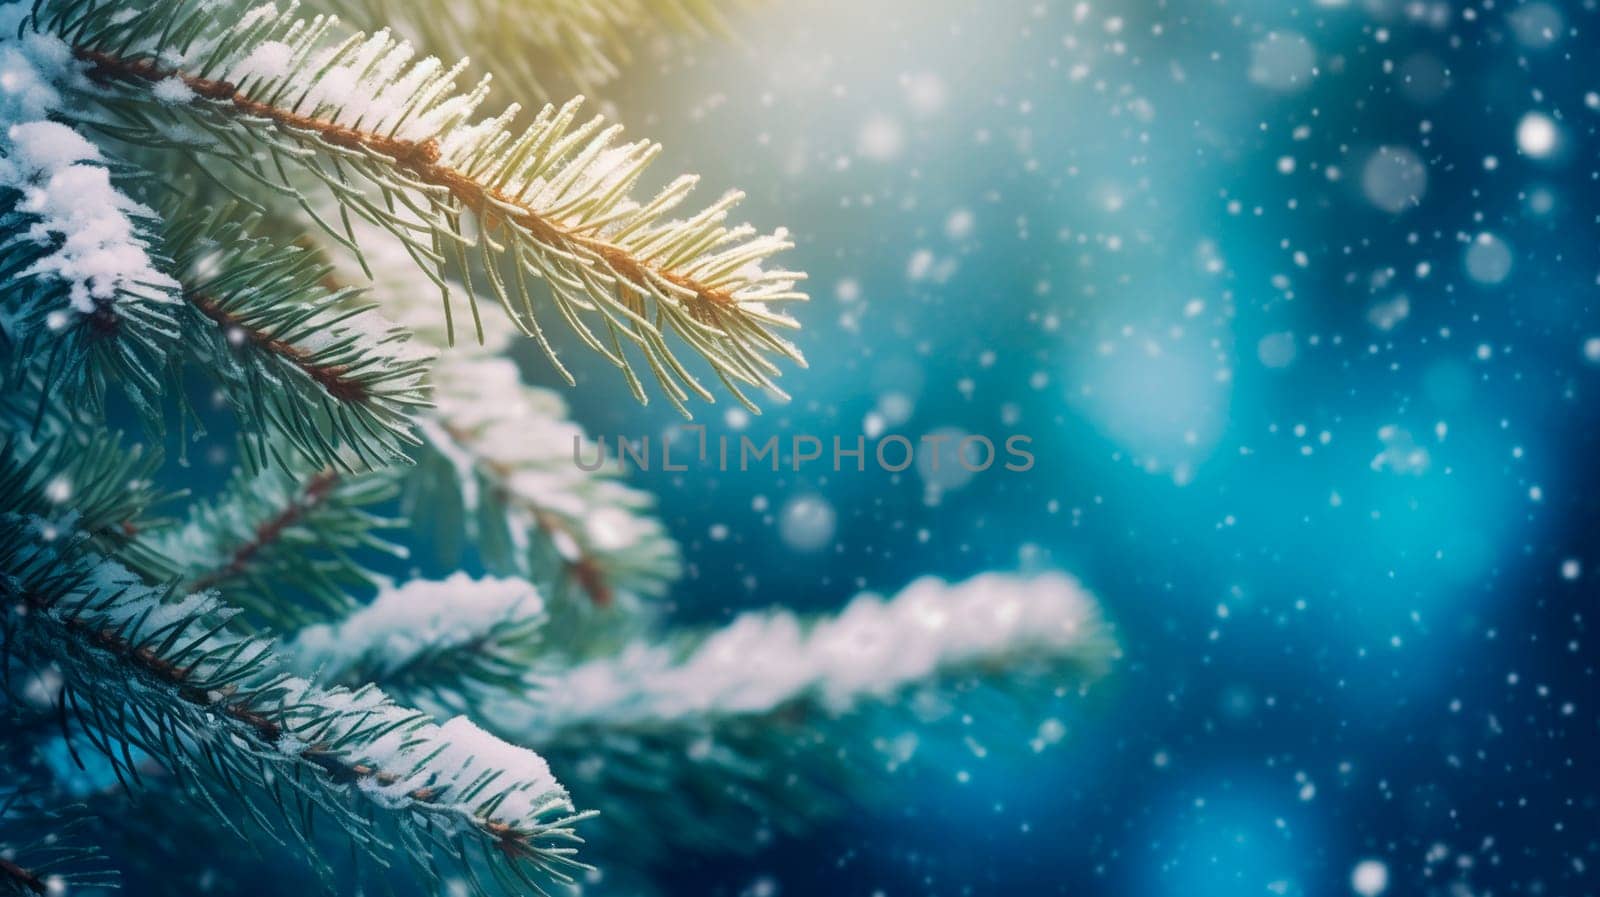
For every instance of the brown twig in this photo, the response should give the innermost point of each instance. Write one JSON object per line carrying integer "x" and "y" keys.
{"x": 335, "y": 378}
{"x": 585, "y": 569}
{"x": 269, "y": 530}
{"x": 28, "y": 879}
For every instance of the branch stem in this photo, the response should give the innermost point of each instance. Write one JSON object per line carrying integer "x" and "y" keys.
{"x": 420, "y": 159}
{"x": 333, "y": 378}
{"x": 315, "y": 492}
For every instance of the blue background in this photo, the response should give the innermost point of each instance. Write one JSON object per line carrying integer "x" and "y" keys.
{"x": 1348, "y": 557}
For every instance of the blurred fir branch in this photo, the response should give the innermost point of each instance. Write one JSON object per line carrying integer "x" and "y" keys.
{"x": 508, "y": 474}
{"x": 496, "y": 473}
{"x": 446, "y": 645}
{"x": 43, "y": 850}
{"x": 285, "y": 544}
{"x": 769, "y": 721}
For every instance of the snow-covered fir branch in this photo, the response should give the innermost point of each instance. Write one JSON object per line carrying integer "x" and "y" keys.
{"x": 77, "y": 266}
{"x": 440, "y": 643}
{"x": 509, "y": 447}
{"x": 384, "y": 133}
{"x": 774, "y": 722}
{"x": 101, "y": 252}
{"x": 64, "y": 184}
{"x": 157, "y": 671}
{"x": 286, "y": 544}
{"x": 872, "y": 650}
{"x": 302, "y": 363}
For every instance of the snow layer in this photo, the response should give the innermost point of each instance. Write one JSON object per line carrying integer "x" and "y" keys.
{"x": 68, "y": 195}
{"x": 499, "y": 432}
{"x": 66, "y": 190}
{"x": 457, "y": 765}
{"x": 874, "y": 648}
{"x": 405, "y": 621}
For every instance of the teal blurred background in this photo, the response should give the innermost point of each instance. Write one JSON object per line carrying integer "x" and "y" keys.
{"x": 1296, "y": 301}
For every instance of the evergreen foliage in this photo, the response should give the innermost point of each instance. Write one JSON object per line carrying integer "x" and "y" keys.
{"x": 244, "y": 200}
